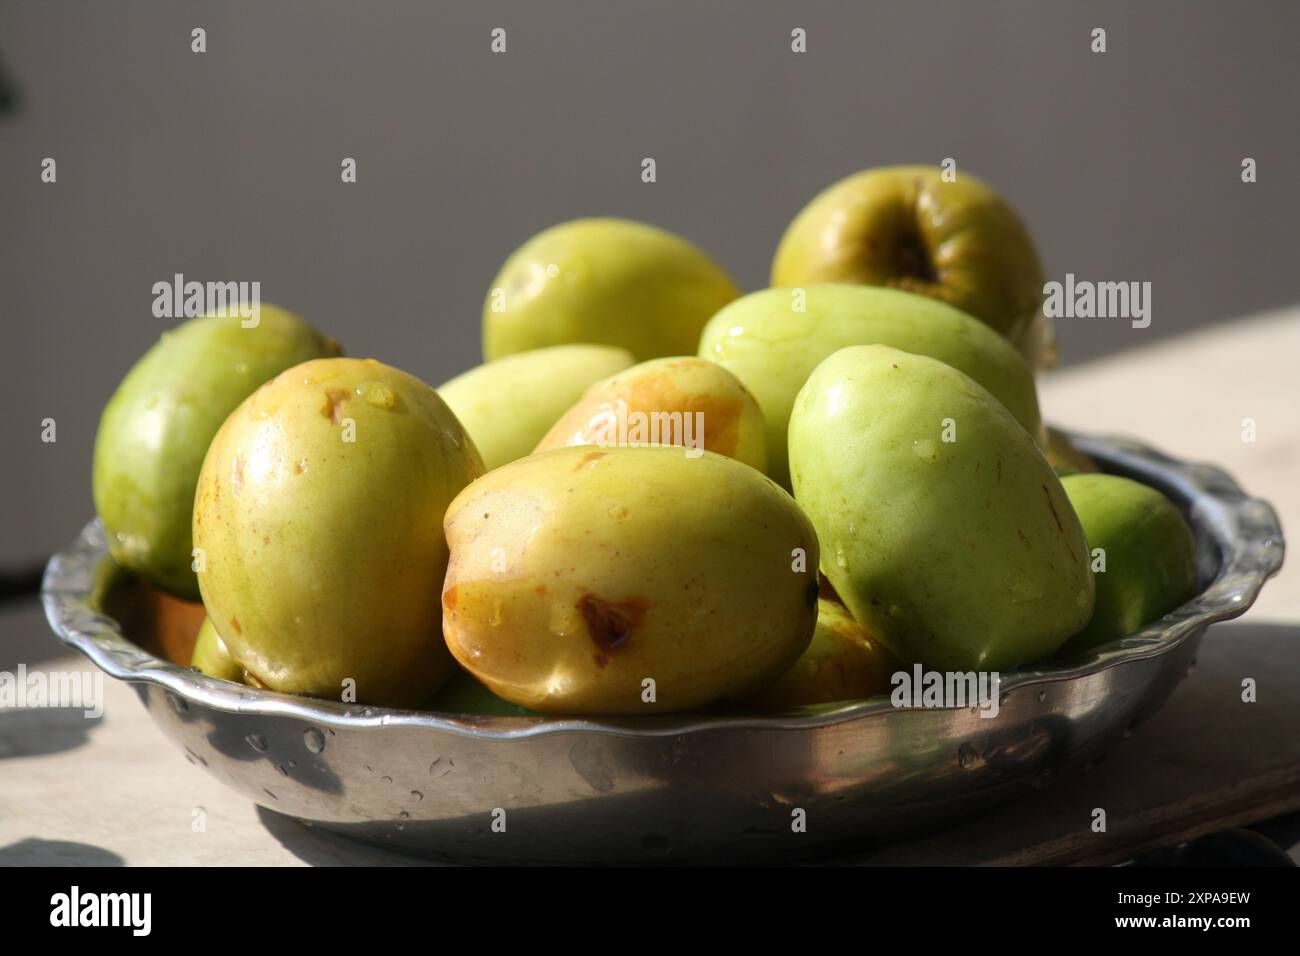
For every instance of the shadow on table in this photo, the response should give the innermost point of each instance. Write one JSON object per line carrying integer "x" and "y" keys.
{"x": 318, "y": 847}
{"x": 25, "y": 636}
{"x": 34, "y": 851}
{"x": 40, "y": 731}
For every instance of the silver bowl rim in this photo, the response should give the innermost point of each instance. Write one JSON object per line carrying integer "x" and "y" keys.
{"x": 1245, "y": 530}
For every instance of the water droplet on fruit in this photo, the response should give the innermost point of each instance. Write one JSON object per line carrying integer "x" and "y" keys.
{"x": 617, "y": 511}
{"x": 313, "y": 739}
{"x": 841, "y": 561}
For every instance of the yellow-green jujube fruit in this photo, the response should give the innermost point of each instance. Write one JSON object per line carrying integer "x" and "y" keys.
{"x": 843, "y": 662}
{"x": 772, "y": 340}
{"x": 627, "y": 580}
{"x": 156, "y": 428}
{"x": 212, "y": 657}
{"x": 684, "y": 401}
{"x": 943, "y": 528}
{"x": 1143, "y": 556}
{"x": 608, "y": 281}
{"x": 908, "y": 227}
{"x": 319, "y": 515}
{"x": 508, "y": 405}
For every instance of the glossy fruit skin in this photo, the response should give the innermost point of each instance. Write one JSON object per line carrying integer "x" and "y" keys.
{"x": 1149, "y": 550}
{"x": 508, "y": 405}
{"x": 212, "y": 657}
{"x": 578, "y": 573}
{"x": 960, "y": 555}
{"x": 773, "y": 349}
{"x": 697, "y": 391}
{"x": 156, "y": 428}
{"x": 609, "y": 281}
{"x": 905, "y": 228}
{"x": 463, "y": 694}
{"x": 324, "y": 556}
{"x": 842, "y": 662}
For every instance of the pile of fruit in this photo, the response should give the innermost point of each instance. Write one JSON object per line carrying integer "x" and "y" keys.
{"x": 657, "y": 494}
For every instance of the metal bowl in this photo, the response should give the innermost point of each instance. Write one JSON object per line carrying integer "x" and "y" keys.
{"x": 686, "y": 787}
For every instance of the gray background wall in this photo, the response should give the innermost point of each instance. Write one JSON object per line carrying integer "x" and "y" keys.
{"x": 225, "y": 165}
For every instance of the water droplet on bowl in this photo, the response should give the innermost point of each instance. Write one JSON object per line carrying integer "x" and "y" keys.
{"x": 257, "y": 742}
{"x": 967, "y": 756}
{"x": 313, "y": 740}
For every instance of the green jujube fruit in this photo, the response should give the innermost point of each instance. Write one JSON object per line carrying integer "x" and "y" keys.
{"x": 918, "y": 228}
{"x": 772, "y": 347}
{"x": 507, "y": 406}
{"x": 318, "y": 514}
{"x": 212, "y": 657}
{"x": 685, "y": 401}
{"x": 942, "y": 527}
{"x": 609, "y": 281}
{"x": 157, "y": 426}
{"x": 578, "y": 575}
{"x": 842, "y": 662}
{"x": 1148, "y": 550}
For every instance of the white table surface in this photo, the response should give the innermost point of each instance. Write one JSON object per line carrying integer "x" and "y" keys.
{"x": 114, "y": 791}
